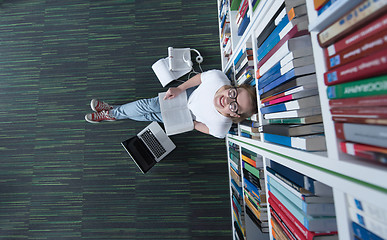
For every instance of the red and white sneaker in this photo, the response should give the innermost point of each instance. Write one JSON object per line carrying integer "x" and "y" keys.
{"x": 97, "y": 117}
{"x": 98, "y": 106}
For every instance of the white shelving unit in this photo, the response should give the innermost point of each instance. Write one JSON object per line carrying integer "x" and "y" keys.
{"x": 343, "y": 173}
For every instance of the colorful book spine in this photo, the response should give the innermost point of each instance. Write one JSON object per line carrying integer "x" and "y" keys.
{"x": 362, "y": 13}
{"x": 311, "y": 101}
{"x": 370, "y": 66}
{"x": 372, "y": 44}
{"x": 308, "y": 143}
{"x": 378, "y": 25}
{"x": 359, "y": 102}
{"x": 362, "y": 133}
{"x": 368, "y": 87}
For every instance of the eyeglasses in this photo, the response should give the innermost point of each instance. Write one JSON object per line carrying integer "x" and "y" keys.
{"x": 233, "y": 94}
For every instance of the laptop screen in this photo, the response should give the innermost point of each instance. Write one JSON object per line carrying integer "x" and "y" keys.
{"x": 139, "y": 153}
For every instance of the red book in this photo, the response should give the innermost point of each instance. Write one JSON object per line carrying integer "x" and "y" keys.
{"x": 376, "y": 121}
{"x": 359, "y": 102}
{"x": 364, "y": 48}
{"x": 242, "y": 11}
{"x": 282, "y": 225}
{"x": 360, "y": 112}
{"x": 359, "y": 35}
{"x": 372, "y": 153}
{"x": 307, "y": 234}
{"x": 366, "y": 67}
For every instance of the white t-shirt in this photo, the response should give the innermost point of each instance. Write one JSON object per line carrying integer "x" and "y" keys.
{"x": 201, "y": 103}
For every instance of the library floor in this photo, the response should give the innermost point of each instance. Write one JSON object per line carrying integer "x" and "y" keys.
{"x": 63, "y": 178}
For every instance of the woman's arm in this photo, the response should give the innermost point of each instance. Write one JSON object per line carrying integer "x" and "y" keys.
{"x": 201, "y": 127}
{"x": 192, "y": 82}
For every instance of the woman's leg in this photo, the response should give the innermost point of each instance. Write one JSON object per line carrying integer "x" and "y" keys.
{"x": 140, "y": 110}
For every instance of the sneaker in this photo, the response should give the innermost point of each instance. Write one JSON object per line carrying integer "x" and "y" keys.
{"x": 97, "y": 117}
{"x": 98, "y": 106}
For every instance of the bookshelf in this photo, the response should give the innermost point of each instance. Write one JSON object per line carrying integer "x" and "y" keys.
{"x": 344, "y": 174}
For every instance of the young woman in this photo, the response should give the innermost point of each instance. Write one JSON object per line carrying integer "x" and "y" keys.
{"x": 213, "y": 102}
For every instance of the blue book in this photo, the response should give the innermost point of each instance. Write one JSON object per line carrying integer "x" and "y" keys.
{"x": 309, "y": 142}
{"x": 272, "y": 74}
{"x": 244, "y": 24}
{"x": 273, "y": 35}
{"x": 308, "y": 79}
{"x": 240, "y": 54}
{"x": 314, "y": 224}
{"x": 364, "y": 233}
{"x": 239, "y": 189}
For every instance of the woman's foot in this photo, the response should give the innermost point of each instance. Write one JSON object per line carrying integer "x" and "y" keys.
{"x": 98, "y": 106}
{"x": 97, "y": 117}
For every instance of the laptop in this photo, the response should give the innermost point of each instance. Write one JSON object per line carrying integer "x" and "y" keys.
{"x": 149, "y": 147}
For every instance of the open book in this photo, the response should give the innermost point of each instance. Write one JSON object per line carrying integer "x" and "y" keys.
{"x": 176, "y": 116}
{"x": 165, "y": 76}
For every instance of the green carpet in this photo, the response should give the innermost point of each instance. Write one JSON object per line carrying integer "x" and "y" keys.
{"x": 63, "y": 178}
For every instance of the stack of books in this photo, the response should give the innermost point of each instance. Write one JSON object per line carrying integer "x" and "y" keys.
{"x": 244, "y": 65}
{"x": 368, "y": 220}
{"x": 287, "y": 81}
{"x": 355, "y": 49}
{"x": 300, "y": 207}
{"x": 254, "y": 190}
{"x": 236, "y": 191}
{"x": 242, "y": 19}
{"x": 249, "y": 129}
{"x": 225, "y": 31}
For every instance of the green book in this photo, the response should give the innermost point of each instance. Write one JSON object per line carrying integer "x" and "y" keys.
{"x": 256, "y": 4}
{"x": 367, "y": 87}
{"x": 300, "y": 120}
{"x": 235, "y": 5}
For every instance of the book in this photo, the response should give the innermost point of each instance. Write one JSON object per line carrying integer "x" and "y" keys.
{"x": 362, "y": 13}
{"x": 302, "y": 180}
{"x": 293, "y": 96}
{"x": 318, "y": 4}
{"x": 361, "y": 120}
{"x": 293, "y": 73}
{"x": 304, "y": 112}
{"x": 301, "y": 103}
{"x": 285, "y": 65}
{"x": 293, "y": 93}
{"x": 280, "y": 227}
{"x": 296, "y": 11}
{"x": 364, "y": 233}
{"x": 366, "y": 67}
{"x": 377, "y": 227}
{"x": 360, "y": 112}
{"x": 308, "y": 143}
{"x": 370, "y": 45}
{"x": 234, "y": 5}
{"x": 369, "y": 153}
{"x": 301, "y": 201}
{"x": 301, "y": 120}
{"x": 244, "y": 23}
{"x": 373, "y": 101}
{"x": 292, "y": 130}
{"x": 262, "y": 36}
{"x": 362, "y": 133}
{"x": 299, "y": 46}
{"x": 368, "y": 87}
{"x": 314, "y": 224}
{"x": 280, "y": 32}
{"x": 295, "y": 225}
{"x": 378, "y": 213}
{"x": 176, "y": 116}
{"x": 375, "y": 26}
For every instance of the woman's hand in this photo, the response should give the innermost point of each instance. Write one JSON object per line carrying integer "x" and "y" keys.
{"x": 172, "y": 92}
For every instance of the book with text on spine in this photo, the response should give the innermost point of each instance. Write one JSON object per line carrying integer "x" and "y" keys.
{"x": 362, "y": 133}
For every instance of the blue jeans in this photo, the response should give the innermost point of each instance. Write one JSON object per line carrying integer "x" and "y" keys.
{"x": 141, "y": 110}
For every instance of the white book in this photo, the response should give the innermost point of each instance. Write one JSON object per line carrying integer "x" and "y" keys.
{"x": 301, "y": 22}
{"x": 373, "y": 225}
{"x": 296, "y": 62}
{"x": 294, "y": 113}
{"x": 177, "y": 117}
{"x": 376, "y": 212}
{"x": 299, "y": 46}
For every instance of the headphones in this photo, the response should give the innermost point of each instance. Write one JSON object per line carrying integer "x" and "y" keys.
{"x": 199, "y": 58}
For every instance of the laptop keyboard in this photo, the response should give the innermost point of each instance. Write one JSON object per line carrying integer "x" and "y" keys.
{"x": 152, "y": 142}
